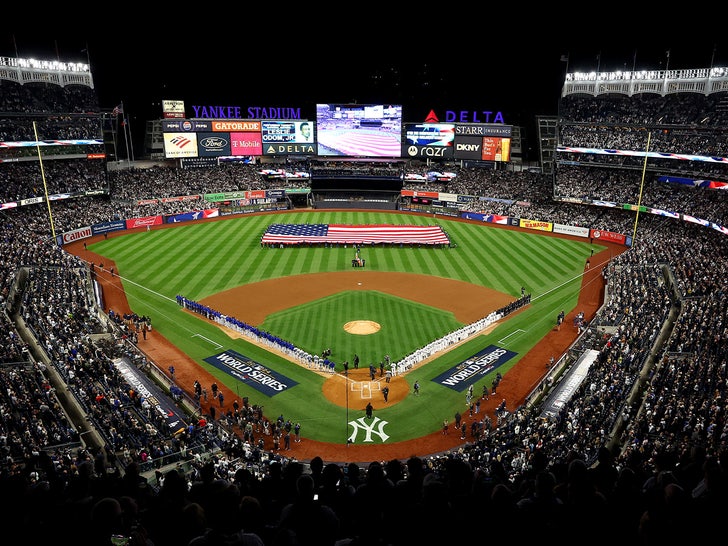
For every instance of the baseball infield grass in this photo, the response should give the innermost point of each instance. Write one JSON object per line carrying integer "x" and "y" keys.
{"x": 405, "y": 325}
{"x": 199, "y": 260}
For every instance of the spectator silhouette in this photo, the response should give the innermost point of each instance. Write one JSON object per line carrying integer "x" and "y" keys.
{"x": 337, "y": 493}
{"x": 106, "y": 521}
{"x": 223, "y": 518}
{"x": 316, "y": 465}
{"x": 305, "y": 521}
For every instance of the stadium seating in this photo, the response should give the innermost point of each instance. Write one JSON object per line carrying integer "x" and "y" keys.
{"x": 638, "y": 452}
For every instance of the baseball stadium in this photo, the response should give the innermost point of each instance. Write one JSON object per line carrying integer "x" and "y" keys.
{"x": 294, "y": 341}
{"x": 393, "y": 308}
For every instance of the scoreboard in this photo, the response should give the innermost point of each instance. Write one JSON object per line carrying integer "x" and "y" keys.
{"x": 230, "y": 138}
{"x": 471, "y": 141}
{"x": 193, "y": 138}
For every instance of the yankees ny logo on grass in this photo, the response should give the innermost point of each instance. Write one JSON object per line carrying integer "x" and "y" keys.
{"x": 369, "y": 429}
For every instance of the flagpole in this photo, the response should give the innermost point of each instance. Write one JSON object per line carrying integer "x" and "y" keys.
{"x": 131, "y": 142}
{"x": 126, "y": 142}
{"x": 123, "y": 127}
{"x": 634, "y": 67}
{"x": 564, "y": 59}
{"x": 115, "y": 134}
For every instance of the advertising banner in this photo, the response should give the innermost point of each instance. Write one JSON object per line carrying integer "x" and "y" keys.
{"x": 108, "y": 227}
{"x": 496, "y": 149}
{"x": 185, "y": 126}
{"x": 195, "y": 215}
{"x": 418, "y": 193}
{"x": 480, "y": 217}
{"x": 237, "y": 126}
{"x": 145, "y": 221}
{"x": 246, "y": 144}
{"x": 468, "y": 147}
{"x": 484, "y": 129}
{"x": 179, "y": 145}
{"x": 76, "y": 234}
{"x": 213, "y": 144}
{"x": 535, "y": 224}
{"x": 431, "y": 152}
{"x": 289, "y": 149}
{"x": 571, "y": 230}
{"x": 173, "y": 108}
{"x": 609, "y": 236}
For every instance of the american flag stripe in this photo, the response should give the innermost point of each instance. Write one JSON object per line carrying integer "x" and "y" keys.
{"x": 363, "y": 234}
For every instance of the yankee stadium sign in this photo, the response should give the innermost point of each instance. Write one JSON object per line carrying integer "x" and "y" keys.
{"x": 213, "y": 111}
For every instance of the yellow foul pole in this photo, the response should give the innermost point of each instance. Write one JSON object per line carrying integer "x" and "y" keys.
{"x": 642, "y": 185}
{"x": 45, "y": 186}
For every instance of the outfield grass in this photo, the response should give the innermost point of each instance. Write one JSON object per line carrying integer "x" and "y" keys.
{"x": 199, "y": 260}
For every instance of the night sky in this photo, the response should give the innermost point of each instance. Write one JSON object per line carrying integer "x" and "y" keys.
{"x": 518, "y": 75}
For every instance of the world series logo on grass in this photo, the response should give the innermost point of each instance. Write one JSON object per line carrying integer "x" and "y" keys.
{"x": 476, "y": 367}
{"x": 256, "y": 375}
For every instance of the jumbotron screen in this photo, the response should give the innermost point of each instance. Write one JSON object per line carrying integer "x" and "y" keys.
{"x": 429, "y": 140}
{"x": 359, "y": 130}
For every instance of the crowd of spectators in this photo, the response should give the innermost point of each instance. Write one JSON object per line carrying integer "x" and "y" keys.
{"x": 685, "y": 132}
{"x": 638, "y": 451}
{"x": 49, "y": 111}
{"x": 64, "y": 176}
{"x": 672, "y": 110}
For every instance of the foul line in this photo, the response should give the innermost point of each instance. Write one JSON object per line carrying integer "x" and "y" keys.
{"x": 502, "y": 340}
{"x": 218, "y": 346}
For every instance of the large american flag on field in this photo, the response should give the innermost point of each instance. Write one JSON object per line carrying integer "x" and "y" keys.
{"x": 363, "y": 234}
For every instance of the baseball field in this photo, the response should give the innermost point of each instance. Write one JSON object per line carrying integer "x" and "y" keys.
{"x": 402, "y": 300}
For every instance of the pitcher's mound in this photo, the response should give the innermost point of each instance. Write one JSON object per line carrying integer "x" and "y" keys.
{"x": 362, "y": 327}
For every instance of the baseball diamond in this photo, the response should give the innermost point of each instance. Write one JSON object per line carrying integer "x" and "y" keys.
{"x": 256, "y": 302}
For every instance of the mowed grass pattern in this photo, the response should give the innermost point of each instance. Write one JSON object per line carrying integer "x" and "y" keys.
{"x": 198, "y": 260}
{"x": 405, "y": 326}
